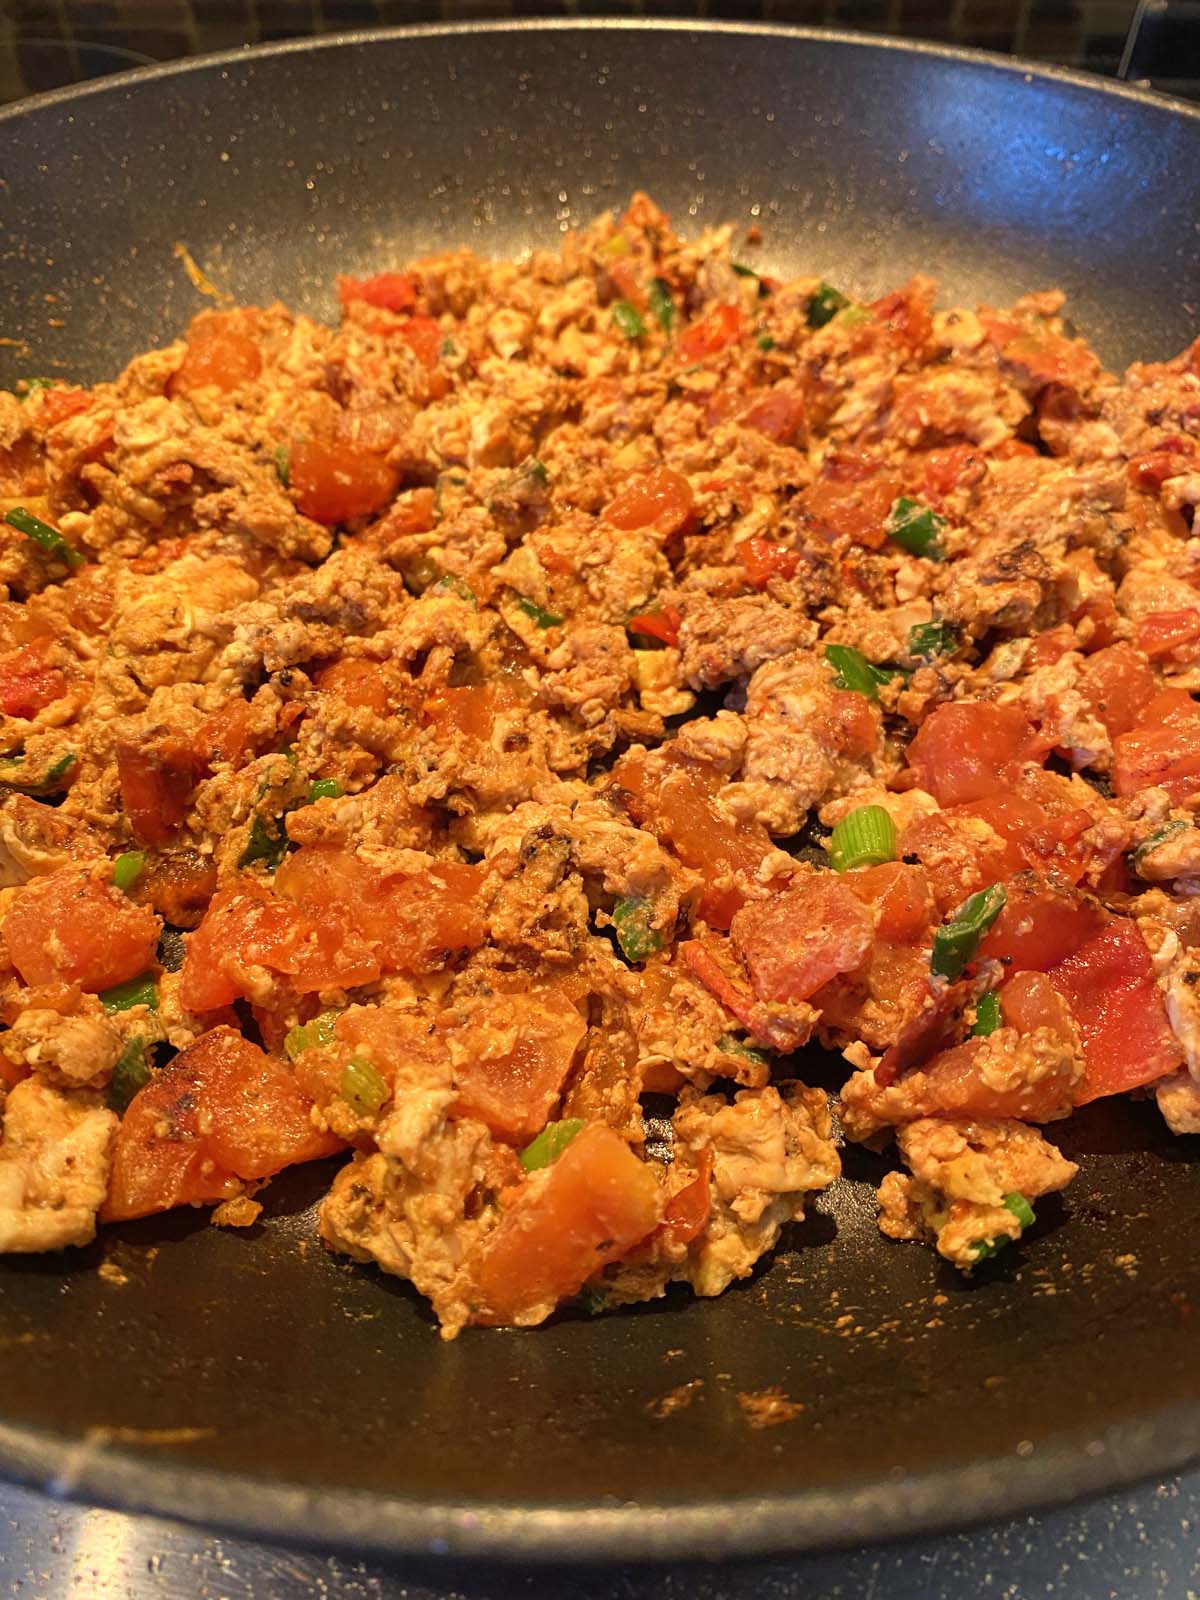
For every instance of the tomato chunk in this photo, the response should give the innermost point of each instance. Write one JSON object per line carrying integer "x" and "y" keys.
{"x": 357, "y": 682}
{"x": 779, "y": 414}
{"x": 27, "y": 684}
{"x": 338, "y": 482}
{"x": 1029, "y": 1001}
{"x": 662, "y": 624}
{"x": 1039, "y": 926}
{"x": 423, "y": 336}
{"x": 853, "y": 508}
{"x": 388, "y": 291}
{"x": 965, "y": 750}
{"x": 1118, "y": 684}
{"x": 592, "y": 1206}
{"x": 157, "y": 781}
{"x": 713, "y": 333}
{"x": 1163, "y": 750}
{"x": 220, "y": 1112}
{"x": 659, "y": 501}
{"x": 1165, "y": 631}
{"x": 510, "y": 1069}
{"x": 797, "y": 941}
{"x": 221, "y": 353}
{"x": 1108, "y": 982}
{"x": 765, "y": 559}
{"x": 900, "y": 894}
{"x": 71, "y": 927}
{"x": 686, "y": 1213}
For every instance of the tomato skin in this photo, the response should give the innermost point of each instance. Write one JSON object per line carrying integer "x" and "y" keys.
{"x": 220, "y": 353}
{"x": 686, "y": 1213}
{"x": 27, "y": 684}
{"x": 70, "y": 927}
{"x": 1118, "y": 685}
{"x": 722, "y": 327}
{"x": 357, "y": 683}
{"x": 662, "y": 624}
{"x": 797, "y": 941}
{"x": 179, "y": 886}
{"x": 593, "y": 1205}
{"x": 854, "y": 508}
{"x": 1041, "y": 924}
{"x": 387, "y": 291}
{"x": 659, "y": 500}
{"x": 334, "y": 483}
{"x": 1162, "y": 750}
{"x": 965, "y": 750}
{"x": 765, "y": 559}
{"x": 220, "y": 1112}
{"x": 703, "y": 964}
{"x": 851, "y": 726}
{"x": 414, "y": 512}
{"x": 157, "y": 781}
{"x": 1108, "y": 983}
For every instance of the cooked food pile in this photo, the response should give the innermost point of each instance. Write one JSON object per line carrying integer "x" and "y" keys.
{"x": 549, "y": 700}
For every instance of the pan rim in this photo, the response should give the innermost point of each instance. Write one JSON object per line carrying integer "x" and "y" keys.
{"x": 1068, "y": 1466}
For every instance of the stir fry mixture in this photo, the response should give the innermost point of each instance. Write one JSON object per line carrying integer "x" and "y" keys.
{"x": 492, "y": 736}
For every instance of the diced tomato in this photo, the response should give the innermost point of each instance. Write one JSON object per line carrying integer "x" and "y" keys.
{"x": 899, "y": 892}
{"x": 662, "y": 624}
{"x": 70, "y": 927}
{"x": 855, "y": 509}
{"x": 423, "y": 335}
{"x": 1108, "y": 983}
{"x": 1168, "y": 459}
{"x": 473, "y": 708}
{"x": 157, "y": 781}
{"x": 1051, "y": 646}
{"x": 1029, "y": 1001}
{"x": 955, "y": 861}
{"x": 241, "y": 926}
{"x": 591, "y": 1207}
{"x": 905, "y": 315}
{"x": 937, "y": 1021}
{"x": 720, "y": 328}
{"x": 1012, "y": 450}
{"x": 356, "y": 682}
{"x": 850, "y": 726}
{"x": 704, "y": 965}
{"x": 1162, "y": 750}
{"x": 224, "y": 736}
{"x": 221, "y": 353}
{"x": 59, "y": 404}
{"x": 953, "y": 1084}
{"x": 220, "y": 1112}
{"x": 659, "y": 501}
{"x": 1163, "y": 632}
{"x": 1045, "y": 356}
{"x": 27, "y": 684}
{"x": 516, "y": 1062}
{"x": 967, "y": 749}
{"x": 179, "y": 886}
{"x": 765, "y": 559}
{"x": 951, "y": 467}
{"x": 1117, "y": 685}
{"x": 388, "y": 291}
{"x": 797, "y": 941}
{"x": 686, "y": 1213}
{"x": 779, "y": 413}
{"x": 375, "y": 429}
{"x": 1040, "y": 925}
{"x": 337, "y": 483}
{"x": 414, "y": 512}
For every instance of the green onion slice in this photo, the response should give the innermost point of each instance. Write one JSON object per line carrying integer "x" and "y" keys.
{"x": 824, "y": 305}
{"x": 916, "y": 528}
{"x": 139, "y": 991}
{"x": 637, "y": 938}
{"x": 362, "y": 1087}
{"x": 264, "y": 845}
{"x": 1020, "y": 1208}
{"x": 128, "y": 868}
{"x": 854, "y": 671}
{"x": 1153, "y": 840}
{"x": 283, "y": 466}
{"x": 932, "y": 639}
{"x": 662, "y": 305}
{"x": 50, "y": 540}
{"x": 550, "y": 1143}
{"x": 311, "y": 1035}
{"x": 866, "y": 837}
{"x": 55, "y": 771}
{"x": 539, "y": 614}
{"x": 628, "y": 319}
{"x": 765, "y": 342}
{"x": 131, "y": 1073}
{"x": 324, "y": 789}
{"x": 32, "y": 385}
{"x": 747, "y": 1052}
{"x": 451, "y": 583}
{"x": 956, "y": 941}
{"x": 988, "y": 1016}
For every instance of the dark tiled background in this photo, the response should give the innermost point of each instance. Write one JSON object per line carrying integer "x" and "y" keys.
{"x": 45, "y": 43}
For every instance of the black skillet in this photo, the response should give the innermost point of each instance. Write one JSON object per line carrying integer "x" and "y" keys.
{"x": 255, "y": 1381}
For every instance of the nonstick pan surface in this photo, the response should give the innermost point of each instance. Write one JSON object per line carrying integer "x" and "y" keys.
{"x": 254, "y": 1380}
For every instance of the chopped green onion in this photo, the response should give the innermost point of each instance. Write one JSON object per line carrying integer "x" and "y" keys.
{"x": 32, "y": 385}
{"x": 324, "y": 789}
{"x": 131, "y": 1073}
{"x": 747, "y": 1052}
{"x": 1153, "y": 840}
{"x": 956, "y": 941}
{"x": 550, "y": 1143}
{"x": 263, "y": 845}
{"x": 448, "y": 348}
{"x": 537, "y": 469}
{"x": 57, "y": 770}
{"x": 310, "y": 1035}
{"x": 662, "y": 305}
{"x": 865, "y": 837}
{"x": 981, "y": 1249}
{"x": 128, "y": 868}
{"x": 637, "y": 938}
{"x": 53, "y": 772}
{"x": 139, "y": 991}
{"x": 824, "y": 305}
{"x": 543, "y": 618}
{"x": 743, "y": 271}
{"x": 915, "y": 527}
{"x": 628, "y": 319}
{"x": 932, "y": 639}
{"x": 854, "y": 671}
{"x": 450, "y": 583}
{"x": 283, "y": 466}
{"x": 765, "y": 342}
{"x": 50, "y": 540}
{"x": 1020, "y": 1208}
{"x": 362, "y": 1087}
{"x": 987, "y": 1015}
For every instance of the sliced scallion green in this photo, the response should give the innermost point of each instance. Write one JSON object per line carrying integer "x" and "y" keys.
{"x": 746, "y": 1052}
{"x": 550, "y": 1143}
{"x": 987, "y": 1015}
{"x": 539, "y": 614}
{"x": 283, "y": 466}
{"x": 854, "y": 671}
{"x": 824, "y": 305}
{"x": 324, "y": 789}
{"x": 264, "y": 845}
{"x": 451, "y": 583}
{"x": 32, "y": 385}
{"x": 662, "y": 305}
{"x": 42, "y": 534}
{"x": 1020, "y": 1208}
{"x": 765, "y": 342}
{"x": 865, "y": 837}
{"x": 131, "y": 1073}
{"x": 128, "y": 868}
{"x": 932, "y": 639}
{"x": 311, "y": 1035}
{"x": 637, "y": 938}
{"x": 362, "y": 1087}
{"x": 956, "y": 941}
{"x": 628, "y": 319}
{"x": 1153, "y": 840}
{"x": 139, "y": 991}
{"x": 915, "y": 528}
